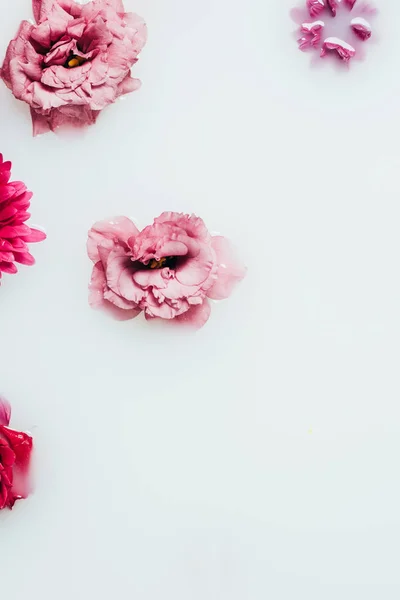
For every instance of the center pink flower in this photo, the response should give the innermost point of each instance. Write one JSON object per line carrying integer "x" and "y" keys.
{"x": 74, "y": 61}
{"x": 168, "y": 270}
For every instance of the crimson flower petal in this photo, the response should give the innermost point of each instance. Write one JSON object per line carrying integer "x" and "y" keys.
{"x": 15, "y": 456}
{"x": 5, "y": 411}
{"x": 34, "y": 235}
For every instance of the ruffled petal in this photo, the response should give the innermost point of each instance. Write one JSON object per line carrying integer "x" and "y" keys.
{"x": 100, "y": 297}
{"x": 120, "y": 278}
{"x": 196, "y": 316}
{"x": 117, "y": 229}
{"x": 230, "y": 270}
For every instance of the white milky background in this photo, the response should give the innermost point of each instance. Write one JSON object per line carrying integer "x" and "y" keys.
{"x": 258, "y": 458}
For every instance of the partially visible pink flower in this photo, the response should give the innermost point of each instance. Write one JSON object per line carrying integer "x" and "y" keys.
{"x": 15, "y": 456}
{"x": 14, "y": 233}
{"x": 74, "y": 61}
{"x": 334, "y": 27}
{"x": 168, "y": 270}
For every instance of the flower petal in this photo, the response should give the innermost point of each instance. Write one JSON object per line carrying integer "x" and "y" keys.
{"x": 5, "y": 411}
{"x": 21, "y": 444}
{"x": 100, "y": 297}
{"x": 35, "y": 235}
{"x": 361, "y": 28}
{"x": 119, "y": 277}
{"x": 196, "y": 316}
{"x": 315, "y": 7}
{"x": 24, "y": 258}
{"x": 344, "y": 50}
{"x": 116, "y": 229}
{"x": 8, "y": 268}
{"x": 230, "y": 270}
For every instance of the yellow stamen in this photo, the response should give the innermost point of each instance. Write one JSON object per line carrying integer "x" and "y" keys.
{"x": 157, "y": 264}
{"x": 75, "y": 61}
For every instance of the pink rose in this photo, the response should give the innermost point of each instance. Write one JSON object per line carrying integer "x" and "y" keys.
{"x": 15, "y": 455}
{"x": 168, "y": 270}
{"x": 74, "y": 61}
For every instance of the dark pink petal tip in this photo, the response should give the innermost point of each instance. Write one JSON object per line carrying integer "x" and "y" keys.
{"x": 5, "y": 411}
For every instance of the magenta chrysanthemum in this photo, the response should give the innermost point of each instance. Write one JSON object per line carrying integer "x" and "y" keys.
{"x": 337, "y": 27}
{"x": 14, "y": 233}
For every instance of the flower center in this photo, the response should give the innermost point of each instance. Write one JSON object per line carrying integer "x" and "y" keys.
{"x": 75, "y": 61}
{"x": 166, "y": 261}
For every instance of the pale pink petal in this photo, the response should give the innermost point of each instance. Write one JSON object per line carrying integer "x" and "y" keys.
{"x": 98, "y": 291}
{"x": 196, "y": 316}
{"x": 147, "y": 277}
{"x": 40, "y": 123}
{"x": 161, "y": 310}
{"x": 117, "y": 229}
{"x": 97, "y": 286}
{"x": 195, "y": 271}
{"x": 119, "y": 277}
{"x": 138, "y": 29}
{"x": 114, "y": 4}
{"x": 120, "y": 314}
{"x": 46, "y": 8}
{"x": 128, "y": 85}
{"x": 191, "y": 224}
{"x": 230, "y": 270}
